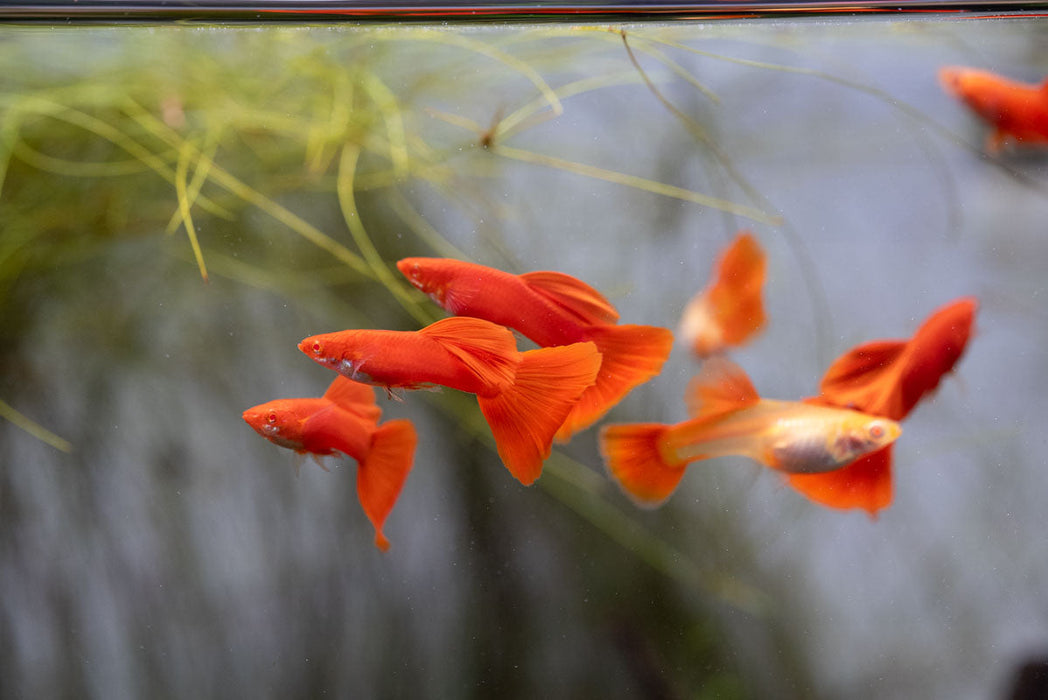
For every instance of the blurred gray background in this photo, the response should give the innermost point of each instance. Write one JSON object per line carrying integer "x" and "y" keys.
{"x": 174, "y": 553}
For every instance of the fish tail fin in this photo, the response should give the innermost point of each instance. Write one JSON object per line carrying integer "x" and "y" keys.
{"x": 381, "y": 475}
{"x": 738, "y": 295}
{"x": 630, "y": 356}
{"x": 633, "y": 458}
{"x": 525, "y": 416}
{"x": 729, "y": 310}
{"x": 865, "y": 483}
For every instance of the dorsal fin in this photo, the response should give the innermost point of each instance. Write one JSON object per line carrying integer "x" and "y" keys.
{"x": 574, "y": 296}
{"x": 862, "y": 363}
{"x": 487, "y": 349}
{"x": 720, "y": 387}
{"x": 357, "y": 398}
{"x": 866, "y": 378}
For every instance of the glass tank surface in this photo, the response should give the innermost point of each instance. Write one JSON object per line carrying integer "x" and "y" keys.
{"x": 609, "y": 355}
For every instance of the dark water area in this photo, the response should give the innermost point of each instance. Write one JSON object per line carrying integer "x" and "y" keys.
{"x": 151, "y": 544}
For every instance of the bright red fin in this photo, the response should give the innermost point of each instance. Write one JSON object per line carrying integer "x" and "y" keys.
{"x": 525, "y": 416}
{"x": 934, "y": 350}
{"x": 865, "y": 483}
{"x": 487, "y": 349}
{"x": 889, "y": 377}
{"x": 357, "y": 398}
{"x": 720, "y": 387}
{"x": 586, "y": 304}
{"x": 630, "y": 356}
{"x": 866, "y": 378}
{"x": 632, "y": 456}
{"x": 381, "y": 476}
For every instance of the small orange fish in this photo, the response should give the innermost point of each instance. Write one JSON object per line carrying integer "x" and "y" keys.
{"x": 525, "y": 397}
{"x": 729, "y": 311}
{"x": 730, "y": 418}
{"x": 345, "y": 420}
{"x": 551, "y": 309}
{"x": 886, "y": 378}
{"x": 1015, "y": 110}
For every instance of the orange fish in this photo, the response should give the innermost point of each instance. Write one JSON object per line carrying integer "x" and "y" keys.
{"x": 345, "y": 420}
{"x": 1015, "y": 110}
{"x": 886, "y": 378}
{"x": 525, "y": 397}
{"x": 730, "y": 418}
{"x": 551, "y": 309}
{"x": 729, "y": 311}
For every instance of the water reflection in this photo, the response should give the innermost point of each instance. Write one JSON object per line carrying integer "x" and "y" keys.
{"x": 172, "y": 550}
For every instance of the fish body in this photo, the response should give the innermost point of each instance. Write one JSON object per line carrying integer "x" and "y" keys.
{"x": 1015, "y": 110}
{"x": 419, "y": 359}
{"x": 524, "y": 396}
{"x": 345, "y": 421}
{"x": 310, "y": 426}
{"x": 886, "y": 378}
{"x": 730, "y": 418}
{"x": 551, "y": 309}
{"x": 789, "y": 436}
{"x": 729, "y": 310}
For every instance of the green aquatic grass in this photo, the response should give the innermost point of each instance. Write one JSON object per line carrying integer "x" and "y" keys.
{"x": 8, "y": 413}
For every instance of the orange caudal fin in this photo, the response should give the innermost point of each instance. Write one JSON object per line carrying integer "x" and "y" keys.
{"x": 730, "y": 310}
{"x": 583, "y": 302}
{"x": 487, "y": 349}
{"x": 381, "y": 475}
{"x": 741, "y": 279}
{"x": 357, "y": 398}
{"x": 630, "y": 356}
{"x": 865, "y": 483}
{"x": 525, "y": 416}
{"x": 736, "y": 295}
{"x": 720, "y": 387}
{"x": 631, "y": 454}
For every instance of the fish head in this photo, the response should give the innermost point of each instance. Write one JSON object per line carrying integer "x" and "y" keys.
{"x": 337, "y": 351}
{"x": 276, "y": 421}
{"x": 981, "y": 90}
{"x": 861, "y": 434}
{"x": 952, "y": 78}
{"x": 428, "y": 275}
{"x": 828, "y": 439}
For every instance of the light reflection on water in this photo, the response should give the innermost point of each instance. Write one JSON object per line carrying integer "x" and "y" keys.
{"x": 172, "y": 550}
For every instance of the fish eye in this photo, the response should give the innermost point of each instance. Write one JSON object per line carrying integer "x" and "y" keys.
{"x": 876, "y": 431}
{"x": 272, "y": 418}
{"x": 317, "y": 348}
